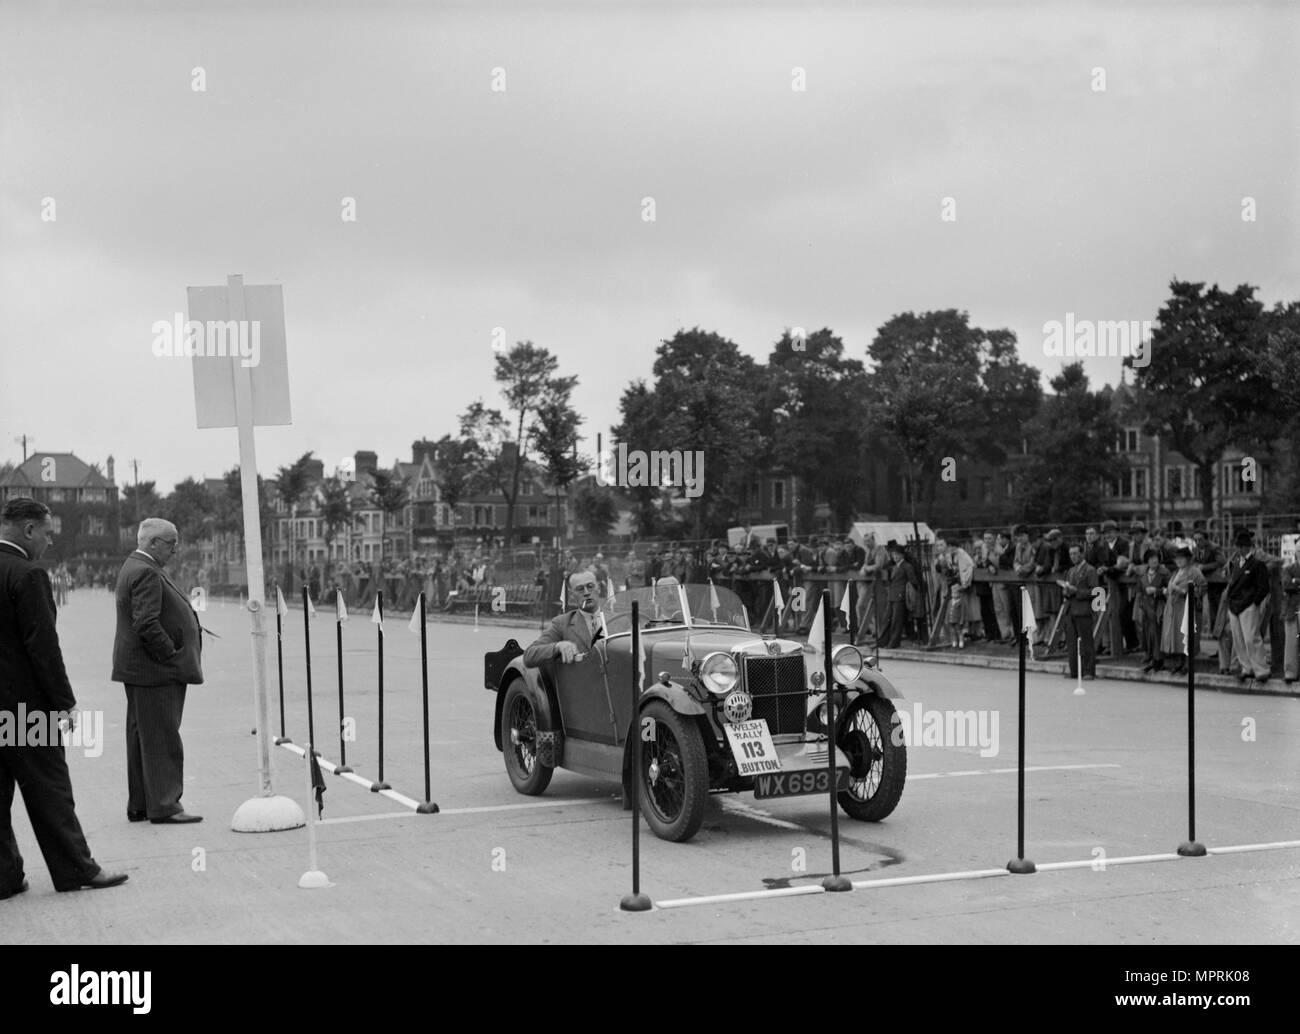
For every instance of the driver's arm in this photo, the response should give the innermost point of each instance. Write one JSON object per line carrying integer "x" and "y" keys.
{"x": 549, "y": 646}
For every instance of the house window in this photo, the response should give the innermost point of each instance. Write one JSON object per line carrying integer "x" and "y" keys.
{"x": 986, "y": 490}
{"x": 1011, "y": 486}
{"x": 778, "y": 495}
{"x": 1174, "y": 482}
{"x": 1128, "y": 440}
{"x": 1140, "y": 488}
{"x": 1234, "y": 481}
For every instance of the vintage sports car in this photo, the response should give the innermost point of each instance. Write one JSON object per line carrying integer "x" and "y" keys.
{"x": 721, "y": 708}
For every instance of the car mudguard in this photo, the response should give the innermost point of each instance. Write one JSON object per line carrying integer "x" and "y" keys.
{"x": 676, "y": 697}
{"x": 545, "y": 704}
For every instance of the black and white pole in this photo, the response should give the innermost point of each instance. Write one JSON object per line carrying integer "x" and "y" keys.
{"x": 306, "y": 642}
{"x": 636, "y": 901}
{"x": 379, "y": 783}
{"x": 343, "y": 765}
{"x": 1192, "y": 848}
{"x": 427, "y": 806}
{"x": 1020, "y": 864}
{"x": 279, "y": 660}
{"x": 833, "y": 882}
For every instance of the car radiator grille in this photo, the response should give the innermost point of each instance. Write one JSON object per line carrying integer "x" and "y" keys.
{"x": 780, "y": 695}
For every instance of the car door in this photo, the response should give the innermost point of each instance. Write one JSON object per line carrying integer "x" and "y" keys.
{"x": 584, "y": 698}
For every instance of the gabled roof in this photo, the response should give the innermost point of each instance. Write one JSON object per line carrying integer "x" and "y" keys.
{"x": 68, "y": 470}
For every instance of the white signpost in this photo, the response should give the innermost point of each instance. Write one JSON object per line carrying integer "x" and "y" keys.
{"x": 241, "y": 380}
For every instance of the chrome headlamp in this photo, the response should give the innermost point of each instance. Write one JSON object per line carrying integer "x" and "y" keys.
{"x": 846, "y": 663}
{"x": 718, "y": 672}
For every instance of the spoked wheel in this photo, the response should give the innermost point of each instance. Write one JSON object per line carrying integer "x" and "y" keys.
{"x": 674, "y": 773}
{"x": 877, "y": 765}
{"x": 519, "y": 742}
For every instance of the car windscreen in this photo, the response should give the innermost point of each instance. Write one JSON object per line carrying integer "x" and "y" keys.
{"x": 707, "y": 605}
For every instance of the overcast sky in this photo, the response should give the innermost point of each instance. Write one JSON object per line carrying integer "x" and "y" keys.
{"x": 522, "y": 208}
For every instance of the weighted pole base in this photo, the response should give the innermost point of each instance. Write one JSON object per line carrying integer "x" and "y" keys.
{"x": 1079, "y": 691}
{"x": 314, "y": 880}
{"x": 1021, "y": 866}
{"x": 269, "y": 814}
{"x": 1192, "y": 849}
{"x": 376, "y": 787}
{"x": 342, "y": 768}
{"x": 636, "y": 903}
{"x": 427, "y": 808}
{"x": 837, "y": 883}
{"x": 282, "y": 739}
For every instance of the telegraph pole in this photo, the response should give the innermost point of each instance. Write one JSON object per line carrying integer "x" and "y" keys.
{"x": 23, "y": 440}
{"x": 135, "y": 467}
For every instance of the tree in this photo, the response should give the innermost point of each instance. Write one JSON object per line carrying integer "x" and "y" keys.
{"x": 1202, "y": 387}
{"x": 230, "y": 509}
{"x": 336, "y": 514}
{"x": 457, "y": 463}
{"x": 1279, "y": 362}
{"x": 942, "y": 388}
{"x": 140, "y": 501}
{"x": 389, "y": 492}
{"x": 193, "y": 510}
{"x": 555, "y": 435}
{"x": 291, "y": 484}
{"x": 815, "y": 418}
{"x": 1072, "y": 436}
{"x": 705, "y": 399}
{"x": 595, "y": 508}
{"x": 525, "y": 374}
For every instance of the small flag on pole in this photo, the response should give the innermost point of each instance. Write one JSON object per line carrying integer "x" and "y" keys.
{"x": 777, "y": 598}
{"x": 713, "y": 599}
{"x": 414, "y": 626}
{"x": 311, "y": 610}
{"x": 376, "y": 618}
{"x": 1183, "y": 627}
{"x": 1030, "y": 623}
{"x": 340, "y": 608}
{"x": 640, "y": 662}
{"x": 317, "y": 782}
{"x": 281, "y": 607}
{"x": 609, "y": 591}
{"x": 844, "y": 603}
{"x": 817, "y": 634}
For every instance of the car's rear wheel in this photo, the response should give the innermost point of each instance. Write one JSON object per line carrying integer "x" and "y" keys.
{"x": 674, "y": 773}
{"x": 519, "y": 742}
{"x": 877, "y": 765}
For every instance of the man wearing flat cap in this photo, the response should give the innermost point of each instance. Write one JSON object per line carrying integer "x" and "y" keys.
{"x": 1246, "y": 591}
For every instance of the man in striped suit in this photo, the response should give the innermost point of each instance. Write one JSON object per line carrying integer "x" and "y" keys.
{"x": 156, "y": 654}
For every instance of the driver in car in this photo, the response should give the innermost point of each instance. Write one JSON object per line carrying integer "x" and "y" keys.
{"x": 570, "y": 636}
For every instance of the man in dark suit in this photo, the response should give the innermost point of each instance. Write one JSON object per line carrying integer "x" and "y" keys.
{"x": 32, "y": 675}
{"x": 1247, "y": 590}
{"x": 156, "y": 654}
{"x": 569, "y": 637}
{"x": 901, "y": 575}
{"x": 1076, "y": 589}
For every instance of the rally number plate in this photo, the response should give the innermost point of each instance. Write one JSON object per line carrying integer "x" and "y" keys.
{"x": 751, "y": 746}
{"x": 796, "y": 784}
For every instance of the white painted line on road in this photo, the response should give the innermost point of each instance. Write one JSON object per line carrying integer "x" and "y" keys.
{"x": 737, "y": 805}
{"x": 484, "y": 809}
{"x": 364, "y": 818}
{"x": 973, "y": 874}
{"x": 1005, "y": 771}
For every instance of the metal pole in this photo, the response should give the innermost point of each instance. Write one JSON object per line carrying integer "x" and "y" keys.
{"x": 343, "y": 750}
{"x": 1020, "y": 864}
{"x": 428, "y": 807}
{"x": 834, "y": 882}
{"x": 1192, "y": 848}
{"x": 279, "y": 663}
{"x": 306, "y": 625}
{"x": 378, "y": 785}
{"x": 636, "y": 901}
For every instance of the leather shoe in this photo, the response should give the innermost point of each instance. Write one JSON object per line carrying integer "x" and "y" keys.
{"x": 136, "y": 816}
{"x": 99, "y": 881}
{"x": 177, "y": 819}
{"x": 17, "y": 890}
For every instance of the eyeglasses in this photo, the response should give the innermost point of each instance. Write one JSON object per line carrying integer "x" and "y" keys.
{"x": 168, "y": 542}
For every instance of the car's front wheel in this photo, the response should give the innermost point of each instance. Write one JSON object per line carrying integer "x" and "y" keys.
{"x": 674, "y": 773}
{"x": 877, "y": 765}
{"x": 519, "y": 742}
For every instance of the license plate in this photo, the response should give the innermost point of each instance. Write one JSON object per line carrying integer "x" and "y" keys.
{"x": 751, "y": 746}
{"x": 797, "y": 784}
